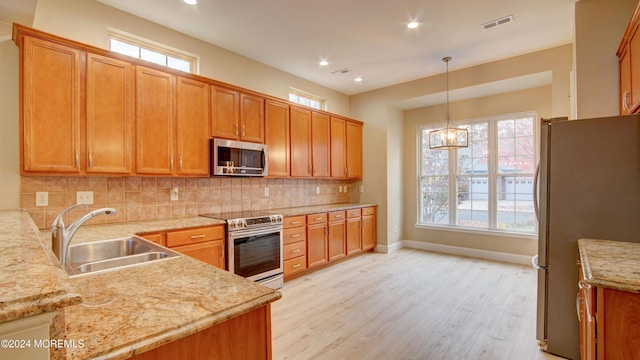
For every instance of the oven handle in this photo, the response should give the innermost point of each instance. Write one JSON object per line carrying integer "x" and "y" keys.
{"x": 253, "y": 232}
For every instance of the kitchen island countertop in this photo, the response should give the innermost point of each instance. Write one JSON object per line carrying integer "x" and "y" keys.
{"x": 611, "y": 264}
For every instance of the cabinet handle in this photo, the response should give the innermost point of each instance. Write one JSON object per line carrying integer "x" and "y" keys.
{"x": 295, "y": 251}
{"x": 180, "y": 162}
{"x": 243, "y": 132}
{"x": 295, "y": 222}
{"x": 77, "y": 158}
{"x": 338, "y": 216}
{"x": 582, "y": 286}
{"x": 625, "y": 100}
{"x": 317, "y": 219}
{"x": 296, "y": 235}
{"x": 197, "y": 236}
{"x": 171, "y": 162}
{"x": 236, "y": 128}
{"x": 296, "y": 266}
{"x": 90, "y": 159}
{"x": 348, "y": 171}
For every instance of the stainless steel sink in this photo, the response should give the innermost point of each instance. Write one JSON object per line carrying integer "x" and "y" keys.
{"x": 112, "y": 254}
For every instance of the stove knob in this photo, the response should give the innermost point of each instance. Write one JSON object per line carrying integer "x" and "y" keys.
{"x": 232, "y": 225}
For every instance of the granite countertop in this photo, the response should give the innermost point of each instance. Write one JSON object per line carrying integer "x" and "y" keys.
{"x": 22, "y": 253}
{"x": 611, "y": 264}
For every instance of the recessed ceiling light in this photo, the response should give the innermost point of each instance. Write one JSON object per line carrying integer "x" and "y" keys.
{"x": 191, "y": 2}
{"x": 413, "y": 24}
{"x": 358, "y": 79}
{"x": 323, "y": 63}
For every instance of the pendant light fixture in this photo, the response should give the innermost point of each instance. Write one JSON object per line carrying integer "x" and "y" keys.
{"x": 449, "y": 138}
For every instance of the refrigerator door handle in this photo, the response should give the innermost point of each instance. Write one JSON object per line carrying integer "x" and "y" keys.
{"x": 534, "y": 263}
{"x": 536, "y": 176}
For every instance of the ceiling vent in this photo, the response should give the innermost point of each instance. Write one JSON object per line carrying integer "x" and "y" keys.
{"x": 342, "y": 71}
{"x": 495, "y": 23}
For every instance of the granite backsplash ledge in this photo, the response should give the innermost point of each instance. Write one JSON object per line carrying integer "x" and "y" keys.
{"x": 148, "y": 198}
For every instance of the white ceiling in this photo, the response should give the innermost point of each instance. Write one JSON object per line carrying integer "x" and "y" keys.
{"x": 367, "y": 36}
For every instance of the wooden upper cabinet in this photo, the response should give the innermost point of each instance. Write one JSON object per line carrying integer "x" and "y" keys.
{"x": 225, "y": 116}
{"x": 50, "y": 131}
{"x": 110, "y": 115}
{"x": 300, "y": 142}
{"x": 154, "y": 121}
{"x": 354, "y": 150}
{"x": 634, "y": 49}
{"x": 192, "y": 127}
{"x": 338, "y": 148}
{"x": 320, "y": 145}
{"x": 629, "y": 66}
{"x": 276, "y": 136}
{"x": 251, "y": 118}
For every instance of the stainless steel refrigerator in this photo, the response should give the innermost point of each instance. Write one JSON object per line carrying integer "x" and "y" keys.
{"x": 588, "y": 186}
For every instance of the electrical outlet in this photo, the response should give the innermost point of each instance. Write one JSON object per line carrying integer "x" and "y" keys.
{"x": 340, "y": 189}
{"x": 42, "y": 198}
{"x": 361, "y": 188}
{"x": 266, "y": 191}
{"x": 84, "y": 197}
{"x": 317, "y": 189}
{"x": 395, "y": 228}
{"x": 174, "y": 194}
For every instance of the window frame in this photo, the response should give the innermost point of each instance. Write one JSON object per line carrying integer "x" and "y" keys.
{"x": 303, "y": 94}
{"x": 492, "y": 176}
{"x": 146, "y": 44}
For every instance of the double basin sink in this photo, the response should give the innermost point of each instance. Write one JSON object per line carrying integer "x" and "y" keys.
{"x": 113, "y": 254}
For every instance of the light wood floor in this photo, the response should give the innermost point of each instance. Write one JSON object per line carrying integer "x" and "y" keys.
{"x": 410, "y": 304}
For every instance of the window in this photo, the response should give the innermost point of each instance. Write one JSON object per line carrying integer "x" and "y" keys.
{"x": 302, "y": 98}
{"x": 147, "y": 50}
{"x": 488, "y": 185}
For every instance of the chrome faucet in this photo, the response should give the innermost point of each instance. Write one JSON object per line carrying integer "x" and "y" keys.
{"x": 61, "y": 235}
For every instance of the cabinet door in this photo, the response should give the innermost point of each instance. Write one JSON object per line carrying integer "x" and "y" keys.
{"x": 338, "y": 148}
{"x": 320, "y": 145}
{"x": 354, "y": 150}
{"x": 317, "y": 251}
{"x": 276, "y": 136}
{"x": 110, "y": 115}
{"x": 251, "y": 118}
{"x": 353, "y": 236}
{"x": 625, "y": 83}
{"x": 337, "y": 238}
{"x": 50, "y": 128}
{"x": 211, "y": 252}
{"x": 192, "y": 127}
{"x": 225, "y": 116}
{"x": 154, "y": 121}
{"x": 300, "y": 142}
{"x": 368, "y": 232}
{"x": 634, "y": 48}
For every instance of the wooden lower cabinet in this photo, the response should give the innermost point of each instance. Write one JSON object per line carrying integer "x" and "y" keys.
{"x": 317, "y": 242}
{"x": 609, "y": 321}
{"x": 205, "y": 244}
{"x": 337, "y": 235}
{"x": 295, "y": 245}
{"x": 354, "y": 232}
{"x": 247, "y": 336}
{"x": 369, "y": 237}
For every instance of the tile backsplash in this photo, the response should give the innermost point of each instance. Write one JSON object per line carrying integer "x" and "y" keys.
{"x": 148, "y": 198}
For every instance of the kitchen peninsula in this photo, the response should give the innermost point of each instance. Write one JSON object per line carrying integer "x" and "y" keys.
{"x": 168, "y": 305}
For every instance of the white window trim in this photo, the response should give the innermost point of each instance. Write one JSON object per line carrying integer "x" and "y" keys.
{"x": 492, "y": 120}
{"x": 155, "y": 46}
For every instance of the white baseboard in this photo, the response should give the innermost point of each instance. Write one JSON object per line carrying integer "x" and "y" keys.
{"x": 456, "y": 250}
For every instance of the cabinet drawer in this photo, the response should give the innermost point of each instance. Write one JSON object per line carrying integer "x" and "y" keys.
{"x": 290, "y": 236}
{"x": 193, "y": 236}
{"x": 294, "y": 265}
{"x": 337, "y": 215}
{"x": 293, "y": 221}
{"x": 294, "y": 250}
{"x": 368, "y": 210}
{"x": 353, "y": 213}
{"x": 316, "y": 218}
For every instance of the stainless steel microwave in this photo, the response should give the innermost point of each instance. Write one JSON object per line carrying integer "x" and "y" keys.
{"x": 238, "y": 158}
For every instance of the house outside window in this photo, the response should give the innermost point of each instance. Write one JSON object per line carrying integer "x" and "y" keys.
{"x": 486, "y": 186}
{"x": 306, "y": 99}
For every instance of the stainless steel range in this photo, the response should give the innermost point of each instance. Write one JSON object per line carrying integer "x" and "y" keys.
{"x": 254, "y": 246}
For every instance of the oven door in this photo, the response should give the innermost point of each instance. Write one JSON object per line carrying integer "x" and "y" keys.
{"x": 256, "y": 254}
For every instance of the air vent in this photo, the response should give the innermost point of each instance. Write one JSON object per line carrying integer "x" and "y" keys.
{"x": 497, "y": 22}
{"x": 342, "y": 71}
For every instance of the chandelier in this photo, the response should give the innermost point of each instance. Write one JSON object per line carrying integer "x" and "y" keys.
{"x": 449, "y": 138}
